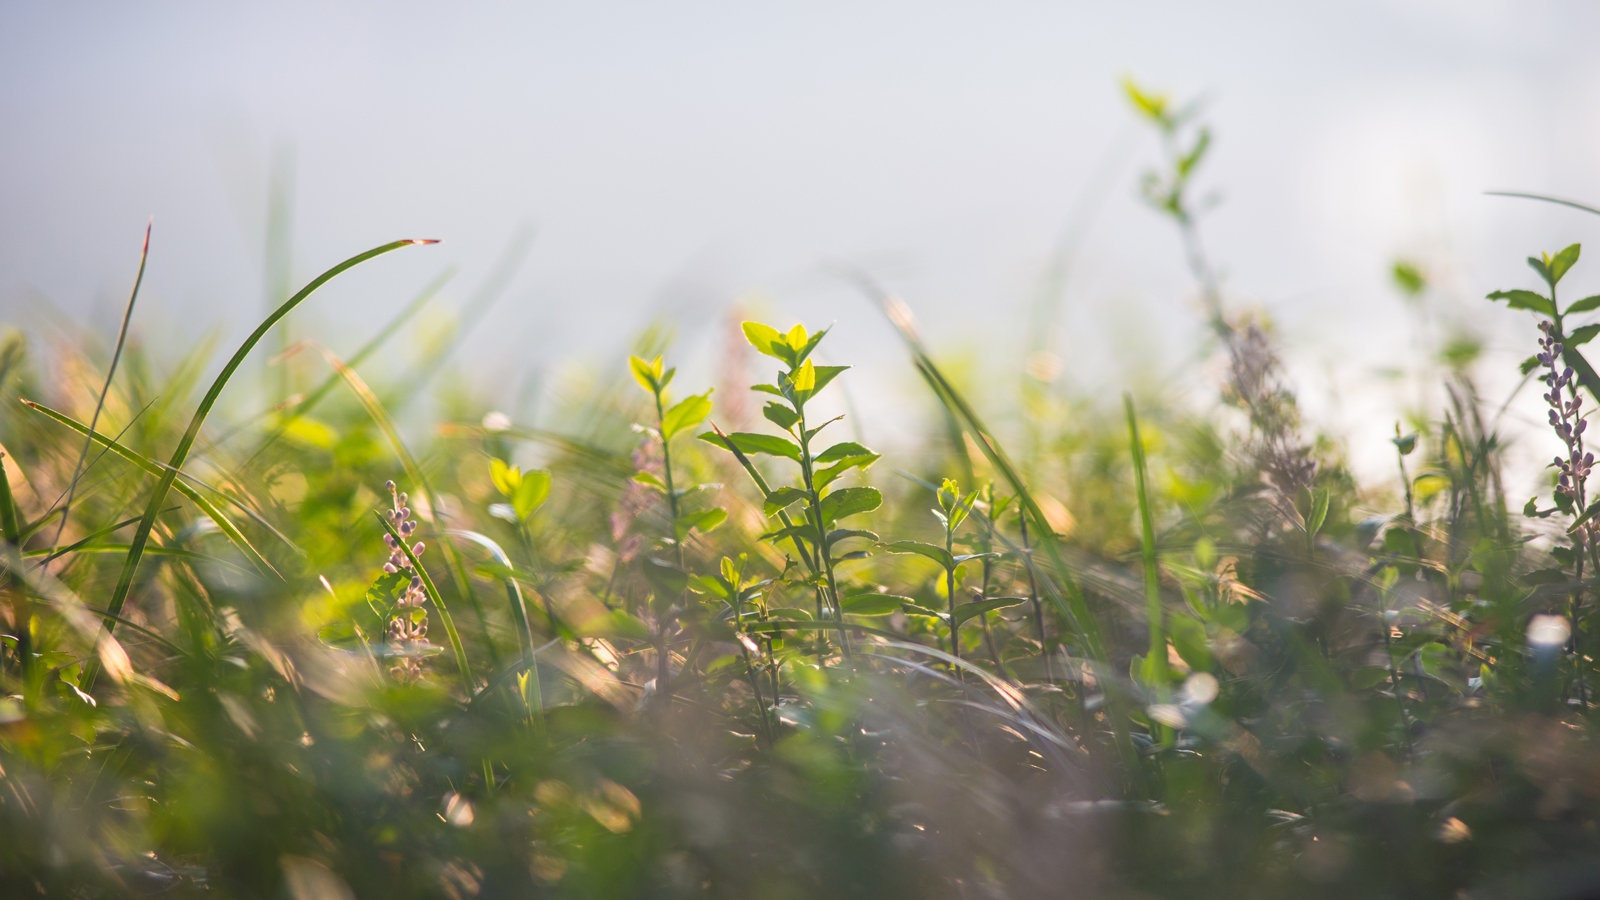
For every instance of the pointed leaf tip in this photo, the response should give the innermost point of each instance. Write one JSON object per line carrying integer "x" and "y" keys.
{"x": 424, "y": 240}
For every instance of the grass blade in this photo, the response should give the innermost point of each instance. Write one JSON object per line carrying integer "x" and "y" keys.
{"x": 141, "y": 537}
{"x": 111, "y": 371}
{"x": 1556, "y": 200}
{"x": 210, "y": 509}
{"x": 519, "y": 608}
{"x": 304, "y": 406}
{"x": 1147, "y": 540}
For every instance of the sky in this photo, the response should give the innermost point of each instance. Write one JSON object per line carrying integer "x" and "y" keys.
{"x": 675, "y": 159}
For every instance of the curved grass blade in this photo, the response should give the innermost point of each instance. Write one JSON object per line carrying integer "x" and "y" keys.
{"x": 1556, "y": 200}
{"x": 177, "y": 552}
{"x": 141, "y": 537}
{"x": 111, "y": 371}
{"x": 10, "y": 525}
{"x": 95, "y": 536}
{"x": 151, "y": 466}
{"x": 438, "y": 603}
{"x": 305, "y": 405}
{"x": 519, "y": 608}
{"x": 1157, "y": 659}
{"x": 380, "y": 417}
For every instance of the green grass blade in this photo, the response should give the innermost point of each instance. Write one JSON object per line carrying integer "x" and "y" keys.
{"x": 10, "y": 525}
{"x": 1556, "y": 200}
{"x": 372, "y": 346}
{"x": 205, "y": 506}
{"x": 519, "y": 608}
{"x": 1147, "y": 539}
{"x": 111, "y": 372}
{"x": 141, "y": 537}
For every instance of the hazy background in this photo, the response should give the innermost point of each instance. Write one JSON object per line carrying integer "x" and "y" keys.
{"x": 677, "y": 156}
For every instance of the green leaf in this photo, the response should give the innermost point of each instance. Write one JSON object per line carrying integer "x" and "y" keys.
{"x": 781, "y": 499}
{"x": 749, "y": 442}
{"x": 1405, "y": 444}
{"x": 1529, "y": 364}
{"x": 824, "y": 375}
{"x": 1561, "y": 262}
{"x": 824, "y": 477}
{"x": 872, "y": 604}
{"x": 968, "y": 610}
{"x": 849, "y": 502}
{"x": 1426, "y": 485}
{"x": 1319, "y": 513}
{"x": 1584, "y": 305}
{"x": 763, "y": 337}
{"x": 805, "y": 531}
{"x": 767, "y": 389}
{"x": 804, "y": 379}
{"x": 780, "y": 415}
{"x": 648, "y": 374}
{"x": 843, "y": 450}
{"x": 1528, "y": 300}
{"x": 1586, "y": 374}
{"x": 1189, "y": 638}
{"x": 705, "y": 520}
{"x": 790, "y": 613}
{"x": 686, "y": 414}
{"x": 841, "y": 534}
{"x": 1151, "y": 106}
{"x": 531, "y": 493}
{"x": 505, "y": 478}
{"x": 1579, "y": 336}
{"x": 707, "y": 584}
{"x": 1192, "y": 159}
{"x": 651, "y": 480}
{"x": 937, "y": 554}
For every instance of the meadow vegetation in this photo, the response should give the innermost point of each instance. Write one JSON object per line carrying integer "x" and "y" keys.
{"x": 309, "y": 653}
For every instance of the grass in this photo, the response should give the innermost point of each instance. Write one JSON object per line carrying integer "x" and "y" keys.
{"x": 1174, "y": 654}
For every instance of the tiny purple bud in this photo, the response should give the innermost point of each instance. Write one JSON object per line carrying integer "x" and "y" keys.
{"x": 417, "y": 549}
{"x": 389, "y": 567}
{"x": 389, "y": 486}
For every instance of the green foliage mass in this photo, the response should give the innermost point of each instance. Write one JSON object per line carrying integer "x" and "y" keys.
{"x": 686, "y": 651}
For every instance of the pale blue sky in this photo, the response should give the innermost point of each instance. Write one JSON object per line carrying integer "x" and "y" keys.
{"x": 675, "y": 156}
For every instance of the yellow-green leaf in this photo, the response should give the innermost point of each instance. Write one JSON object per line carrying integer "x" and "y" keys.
{"x": 805, "y": 378}
{"x": 796, "y": 338}
{"x": 506, "y": 478}
{"x": 687, "y": 414}
{"x": 648, "y": 374}
{"x": 762, "y": 337}
{"x": 531, "y": 493}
